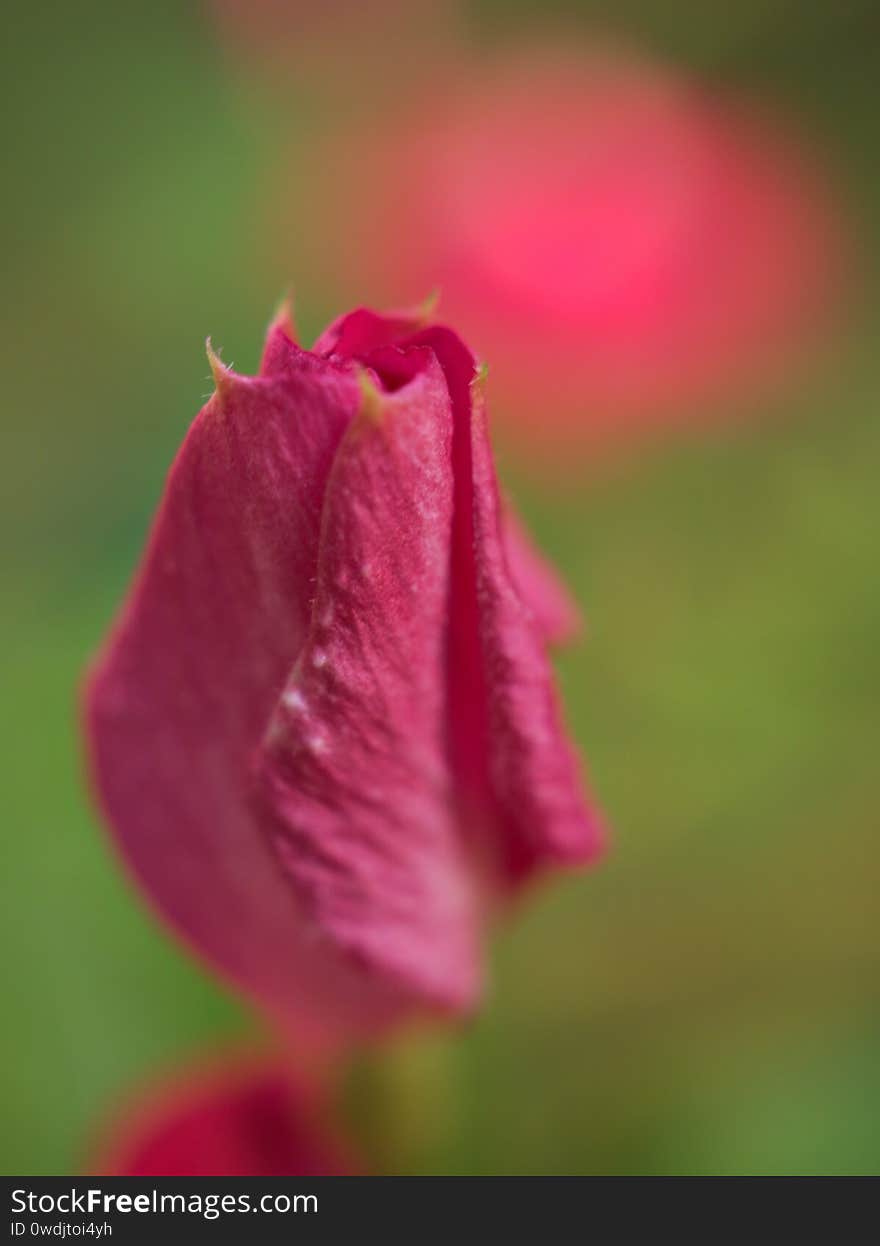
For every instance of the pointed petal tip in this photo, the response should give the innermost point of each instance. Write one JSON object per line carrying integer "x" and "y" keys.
{"x": 414, "y": 315}
{"x": 480, "y": 378}
{"x": 221, "y": 372}
{"x": 425, "y": 310}
{"x": 372, "y": 404}
{"x": 282, "y": 319}
{"x": 281, "y": 347}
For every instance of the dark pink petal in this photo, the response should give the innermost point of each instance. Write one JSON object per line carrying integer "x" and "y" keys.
{"x": 242, "y": 1116}
{"x": 357, "y": 333}
{"x": 533, "y": 774}
{"x": 518, "y": 786}
{"x": 354, "y": 766}
{"x": 183, "y": 692}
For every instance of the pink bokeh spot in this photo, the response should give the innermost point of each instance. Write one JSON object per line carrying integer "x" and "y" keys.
{"x": 624, "y": 248}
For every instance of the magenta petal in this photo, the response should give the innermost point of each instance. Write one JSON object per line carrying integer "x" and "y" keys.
{"x": 191, "y": 676}
{"x": 533, "y": 773}
{"x": 354, "y": 765}
{"x": 358, "y": 332}
{"x": 518, "y": 780}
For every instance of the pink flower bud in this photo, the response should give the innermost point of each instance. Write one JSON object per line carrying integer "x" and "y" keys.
{"x": 324, "y": 728}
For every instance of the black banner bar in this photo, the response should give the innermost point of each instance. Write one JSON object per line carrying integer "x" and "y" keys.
{"x": 120, "y": 1210}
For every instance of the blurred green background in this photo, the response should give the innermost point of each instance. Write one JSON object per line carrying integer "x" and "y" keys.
{"x": 707, "y": 1000}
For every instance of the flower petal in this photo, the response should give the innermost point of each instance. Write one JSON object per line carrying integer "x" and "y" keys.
{"x": 354, "y": 766}
{"x": 517, "y": 783}
{"x": 532, "y": 769}
{"x": 182, "y": 693}
{"x": 355, "y": 334}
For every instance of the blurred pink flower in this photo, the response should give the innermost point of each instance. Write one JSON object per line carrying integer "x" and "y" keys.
{"x": 237, "y": 1116}
{"x": 623, "y": 248}
{"x": 324, "y": 728}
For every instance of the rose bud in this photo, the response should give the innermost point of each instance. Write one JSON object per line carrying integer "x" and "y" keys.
{"x": 324, "y": 728}
{"x": 238, "y": 1115}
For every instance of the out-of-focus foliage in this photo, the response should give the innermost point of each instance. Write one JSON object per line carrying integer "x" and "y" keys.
{"x": 707, "y": 1000}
